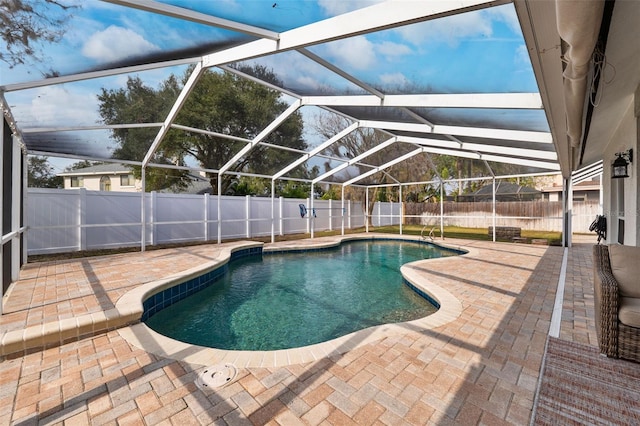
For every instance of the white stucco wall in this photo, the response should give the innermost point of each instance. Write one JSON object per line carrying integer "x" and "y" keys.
{"x": 625, "y": 137}
{"x": 92, "y": 183}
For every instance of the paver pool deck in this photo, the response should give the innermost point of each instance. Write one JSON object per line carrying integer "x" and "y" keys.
{"x": 479, "y": 367}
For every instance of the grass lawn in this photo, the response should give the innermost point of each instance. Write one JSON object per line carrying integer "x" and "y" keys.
{"x": 553, "y": 238}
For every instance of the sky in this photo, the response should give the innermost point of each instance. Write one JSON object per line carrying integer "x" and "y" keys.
{"x": 475, "y": 52}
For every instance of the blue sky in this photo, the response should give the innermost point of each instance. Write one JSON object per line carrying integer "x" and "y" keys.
{"x": 479, "y": 51}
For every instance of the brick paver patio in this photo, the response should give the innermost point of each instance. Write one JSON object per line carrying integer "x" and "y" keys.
{"x": 481, "y": 368}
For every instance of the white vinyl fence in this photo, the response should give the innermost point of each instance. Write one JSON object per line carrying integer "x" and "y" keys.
{"x": 70, "y": 220}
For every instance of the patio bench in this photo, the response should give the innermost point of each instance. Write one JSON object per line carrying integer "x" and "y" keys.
{"x": 505, "y": 232}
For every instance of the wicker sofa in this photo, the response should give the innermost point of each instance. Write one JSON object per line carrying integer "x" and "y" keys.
{"x": 617, "y": 300}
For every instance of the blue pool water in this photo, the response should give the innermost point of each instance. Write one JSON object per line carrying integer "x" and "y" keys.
{"x": 287, "y": 300}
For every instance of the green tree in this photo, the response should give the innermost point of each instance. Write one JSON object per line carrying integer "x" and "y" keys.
{"x": 25, "y": 25}
{"x": 40, "y": 174}
{"x": 220, "y": 103}
{"x": 224, "y": 103}
{"x": 138, "y": 103}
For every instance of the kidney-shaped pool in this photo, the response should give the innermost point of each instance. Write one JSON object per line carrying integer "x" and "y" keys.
{"x": 293, "y": 299}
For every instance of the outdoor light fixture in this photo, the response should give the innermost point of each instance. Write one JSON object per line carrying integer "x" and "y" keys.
{"x": 619, "y": 166}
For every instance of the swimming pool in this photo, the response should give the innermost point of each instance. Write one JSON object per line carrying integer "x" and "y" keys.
{"x": 287, "y": 300}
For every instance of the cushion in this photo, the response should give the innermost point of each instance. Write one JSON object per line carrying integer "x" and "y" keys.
{"x": 625, "y": 266}
{"x": 629, "y": 311}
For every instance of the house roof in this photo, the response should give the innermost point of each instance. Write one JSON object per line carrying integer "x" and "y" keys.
{"x": 503, "y": 188}
{"x": 100, "y": 169}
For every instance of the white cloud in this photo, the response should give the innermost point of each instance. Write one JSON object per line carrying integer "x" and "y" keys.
{"x": 355, "y": 52}
{"x": 506, "y": 14}
{"x": 450, "y": 30}
{"x": 391, "y": 49}
{"x": 521, "y": 55}
{"x": 394, "y": 80}
{"x": 308, "y": 82}
{"x": 52, "y": 105}
{"x": 338, "y": 7}
{"x": 115, "y": 43}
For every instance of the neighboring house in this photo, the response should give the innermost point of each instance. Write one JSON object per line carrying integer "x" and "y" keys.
{"x": 584, "y": 191}
{"x": 103, "y": 177}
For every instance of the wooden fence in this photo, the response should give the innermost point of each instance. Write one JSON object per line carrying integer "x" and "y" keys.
{"x": 530, "y": 215}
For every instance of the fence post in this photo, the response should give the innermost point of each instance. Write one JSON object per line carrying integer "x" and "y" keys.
{"x": 273, "y": 211}
{"x": 206, "y": 216}
{"x": 366, "y": 211}
{"x": 247, "y": 212}
{"x": 82, "y": 219}
{"x": 401, "y": 209}
{"x": 330, "y": 215}
{"x": 441, "y": 209}
{"x": 308, "y": 216}
{"x": 281, "y": 214}
{"x": 152, "y": 218}
{"x": 342, "y": 212}
{"x": 493, "y": 203}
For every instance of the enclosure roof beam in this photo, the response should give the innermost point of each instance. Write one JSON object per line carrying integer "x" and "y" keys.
{"x": 210, "y": 133}
{"x": 96, "y": 127}
{"x": 586, "y": 177}
{"x": 182, "y": 97}
{"x": 478, "y": 178}
{"x": 193, "y": 16}
{"x": 10, "y": 119}
{"x": 595, "y": 167}
{"x": 97, "y": 74}
{"x": 497, "y": 158}
{"x": 378, "y": 17}
{"x": 317, "y": 150}
{"x": 384, "y": 166}
{"x": 263, "y": 134}
{"x": 356, "y": 159}
{"x": 482, "y": 148}
{"x": 259, "y": 81}
{"x": 339, "y": 71}
{"x": 386, "y": 173}
{"x": 517, "y": 135}
{"x": 433, "y": 167}
{"x": 474, "y": 100}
